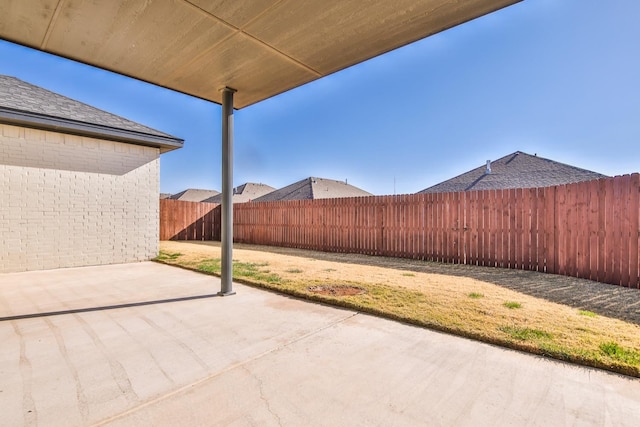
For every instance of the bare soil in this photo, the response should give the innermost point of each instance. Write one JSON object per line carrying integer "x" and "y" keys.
{"x": 336, "y": 290}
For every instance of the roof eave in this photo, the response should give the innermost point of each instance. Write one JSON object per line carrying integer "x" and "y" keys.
{"x": 57, "y": 124}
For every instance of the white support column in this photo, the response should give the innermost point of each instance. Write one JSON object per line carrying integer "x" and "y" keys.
{"x": 227, "y": 193}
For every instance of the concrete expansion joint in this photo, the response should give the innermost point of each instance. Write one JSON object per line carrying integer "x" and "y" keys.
{"x": 225, "y": 370}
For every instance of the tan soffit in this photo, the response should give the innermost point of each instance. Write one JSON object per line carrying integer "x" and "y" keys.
{"x": 259, "y": 47}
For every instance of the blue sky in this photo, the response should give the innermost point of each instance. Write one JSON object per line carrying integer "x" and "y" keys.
{"x": 556, "y": 78}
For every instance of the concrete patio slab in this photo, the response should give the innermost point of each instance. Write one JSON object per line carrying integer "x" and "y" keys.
{"x": 259, "y": 358}
{"x": 47, "y": 291}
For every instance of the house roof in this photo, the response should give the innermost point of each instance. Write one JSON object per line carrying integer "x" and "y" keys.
{"x": 244, "y": 193}
{"x": 314, "y": 188}
{"x": 261, "y": 48}
{"x": 194, "y": 195}
{"x": 516, "y": 170}
{"x": 25, "y": 104}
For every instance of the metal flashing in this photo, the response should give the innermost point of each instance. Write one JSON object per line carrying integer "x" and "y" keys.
{"x": 39, "y": 121}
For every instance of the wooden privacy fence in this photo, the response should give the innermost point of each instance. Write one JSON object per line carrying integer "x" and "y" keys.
{"x": 188, "y": 220}
{"x": 588, "y": 230}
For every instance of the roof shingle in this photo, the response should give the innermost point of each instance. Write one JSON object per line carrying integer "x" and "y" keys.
{"x": 194, "y": 195}
{"x": 244, "y": 193}
{"x": 314, "y": 188}
{"x": 27, "y": 104}
{"x": 516, "y": 170}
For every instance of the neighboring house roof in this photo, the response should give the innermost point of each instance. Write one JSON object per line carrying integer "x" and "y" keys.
{"x": 24, "y": 104}
{"x": 244, "y": 193}
{"x": 165, "y": 195}
{"x": 194, "y": 195}
{"x": 314, "y": 188}
{"x": 517, "y": 170}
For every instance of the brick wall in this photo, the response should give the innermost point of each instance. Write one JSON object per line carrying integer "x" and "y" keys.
{"x": 68, "y": 201}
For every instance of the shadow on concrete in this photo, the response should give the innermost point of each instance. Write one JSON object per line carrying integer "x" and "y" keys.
{"x": 101, "y": 308}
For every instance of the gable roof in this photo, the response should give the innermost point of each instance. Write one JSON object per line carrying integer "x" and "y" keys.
{"x": 24, "y": 104}
{"x": 194, "y": 195}
{"x": 516, "y": 170}
{"x": 314, "y": 188}
{"x": 244, "y": 193}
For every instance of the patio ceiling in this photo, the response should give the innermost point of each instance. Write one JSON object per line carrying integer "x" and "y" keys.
{"x": 259, "y": 47}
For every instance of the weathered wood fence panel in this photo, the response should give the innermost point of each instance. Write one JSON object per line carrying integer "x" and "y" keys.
{"x": 181, "y": 220}
{"x": 588, "y": 230}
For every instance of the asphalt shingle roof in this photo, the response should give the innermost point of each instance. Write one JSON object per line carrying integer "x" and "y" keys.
{"x": 194, "y": 195}
{"x": 314, "y": 188}
{"x": 516, "y": 170}
{"x": 17, "y": 96}
{"x": 244, "y": 193}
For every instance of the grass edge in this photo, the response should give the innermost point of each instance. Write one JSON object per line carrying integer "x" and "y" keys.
{"x": 434, "y": 326}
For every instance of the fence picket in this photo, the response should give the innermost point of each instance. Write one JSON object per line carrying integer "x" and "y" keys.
{"x": 634, "y": 231}
{"x": 589, "y": 229}
{"x": 625, "y": 228}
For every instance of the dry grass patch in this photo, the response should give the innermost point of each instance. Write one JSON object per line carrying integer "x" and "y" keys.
{"x": 460, "y": 305}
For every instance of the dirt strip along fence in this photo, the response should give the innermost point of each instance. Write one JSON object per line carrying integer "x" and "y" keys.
{"x": 588, "y": 230}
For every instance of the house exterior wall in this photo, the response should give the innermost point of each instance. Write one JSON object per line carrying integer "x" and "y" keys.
{"x": 69, "y": 201}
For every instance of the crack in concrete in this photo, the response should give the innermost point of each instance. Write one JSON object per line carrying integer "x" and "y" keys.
{"x": 118, "y": 372}
{"x": 227, "y": 369}
{"x": 83, "y": 403}
{"x": 30, "y": 412}
{"x": 263, "y": 397}
{"x": 180, "y": 343}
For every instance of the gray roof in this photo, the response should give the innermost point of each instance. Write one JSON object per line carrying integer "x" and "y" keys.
{"x": 24, "y": 104}
{"x": 194, "y": 195}
{"x": 517, "y": 170}
{"x": 244, "y": 193}
{"x": 314, "y": 188}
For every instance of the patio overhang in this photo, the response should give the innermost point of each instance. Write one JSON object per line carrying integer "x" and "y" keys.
{"x": 260, "y": 48}
{"x": 234, "y": 53}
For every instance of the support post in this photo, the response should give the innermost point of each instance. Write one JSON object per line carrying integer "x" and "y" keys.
{"x": 227, "y": 193}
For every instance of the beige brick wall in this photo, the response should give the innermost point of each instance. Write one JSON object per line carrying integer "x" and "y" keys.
{"x": 68, "y": 201}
